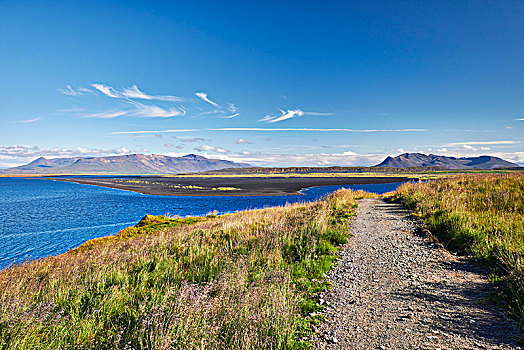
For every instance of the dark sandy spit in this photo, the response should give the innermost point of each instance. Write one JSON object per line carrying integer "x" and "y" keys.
{"x": 223, "y": 186}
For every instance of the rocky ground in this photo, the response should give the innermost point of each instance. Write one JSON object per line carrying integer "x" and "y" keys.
{"x": 395, "y": 289}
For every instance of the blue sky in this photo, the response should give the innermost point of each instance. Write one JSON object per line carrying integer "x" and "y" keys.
{"x": 267, "y": 83}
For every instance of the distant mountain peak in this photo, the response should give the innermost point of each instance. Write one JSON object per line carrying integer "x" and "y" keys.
{"x": 39, "y": 160}
{"x": 124, "y": 164}
{"x": 192, "y": 156}
{"x": 407, "y": 160}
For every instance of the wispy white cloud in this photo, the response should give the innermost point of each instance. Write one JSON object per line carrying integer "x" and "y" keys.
{"x": 232, "y": 115}
{"x": 134, "y": 96}
{"x": 201, "y": 114}
{"x": 319, "y": 130}
{"x": 69, "y": 91}
{"x": 274, "y": 129}
{"x": 104, "y": 115}
{"x": 140, "y": 111}
{"x": 232, "y": 109}
{"x": 26, "y": 121}
{"x": 186, "y": 139}
{"x": 339, "y": 146}
{"x": 134, "y": 92}
{"x": 150, "y": 111}
{"x": 470, "y": 130}
{"x": 73, "y": 110}
{"x": 206, "y": 148}
{"x": 289, "y": 114}
{"x": 520, "y": 119}
{"x": 203, "y": 96}
{"x": 106, "y": 90}
{"x": 151, "y": 131}
{"x": 483, "y": 143}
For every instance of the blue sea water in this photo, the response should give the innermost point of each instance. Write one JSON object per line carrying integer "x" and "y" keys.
{"x": 40, "y": 217}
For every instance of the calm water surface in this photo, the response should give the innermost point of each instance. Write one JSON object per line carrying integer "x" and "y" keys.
{"x": 42, "y": 217}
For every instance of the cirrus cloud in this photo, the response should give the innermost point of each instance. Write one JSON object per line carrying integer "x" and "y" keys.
{"x": 106, "y": 90}
{"x": 159, "y": 106}
{"x": 26, "y": 121}
{"x": 203, "y": 96}
{"x": 289, "y": 114}
{"x": 319, "y": 129}
{"x": 150, "y": 131}
{"x": 104, "y": 115}
{"x": 69, "y": 91}
{"x": 134, "y": 92}
{"x": 483, "y": 143}
{"x": 149, "y": 111}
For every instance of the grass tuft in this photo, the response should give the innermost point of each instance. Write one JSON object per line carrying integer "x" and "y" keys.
{"x": 248, "y": 280}
{"x": 481, "y": 216}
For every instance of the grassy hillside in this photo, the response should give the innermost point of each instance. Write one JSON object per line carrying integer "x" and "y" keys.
{"x": 247, "y": 280}
{"x": 480, "y": 215}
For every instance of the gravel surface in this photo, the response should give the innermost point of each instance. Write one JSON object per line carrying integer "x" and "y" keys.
{"x": 395, "y": 289}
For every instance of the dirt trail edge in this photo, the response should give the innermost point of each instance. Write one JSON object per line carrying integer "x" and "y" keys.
{"x": 393, "y": 289}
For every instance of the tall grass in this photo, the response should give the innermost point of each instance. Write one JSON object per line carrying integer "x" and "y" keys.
{"x": 480, "y": 215}
{"x": 241, "y": 281}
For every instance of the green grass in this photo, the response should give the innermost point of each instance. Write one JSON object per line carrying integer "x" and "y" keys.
{"x": 481, "y": 216}
{"x": 241, "y": 281}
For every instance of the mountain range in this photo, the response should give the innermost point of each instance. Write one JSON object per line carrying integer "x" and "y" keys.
{"x": 125, "y": 164}
{"x": 409, "y": 160}
{"x": 160, "y": 164}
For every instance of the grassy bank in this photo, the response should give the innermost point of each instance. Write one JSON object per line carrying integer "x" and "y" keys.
{"x": 480, "y": 215}
{"x": 247, "y": 280}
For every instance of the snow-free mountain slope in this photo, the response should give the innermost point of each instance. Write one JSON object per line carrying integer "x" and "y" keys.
{"x": 126, "y": 164}
{"x": 408, "y": 160}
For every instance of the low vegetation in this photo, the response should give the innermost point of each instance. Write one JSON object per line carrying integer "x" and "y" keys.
{"x": 482, "y": 216}
{"x": 248, "y": 280}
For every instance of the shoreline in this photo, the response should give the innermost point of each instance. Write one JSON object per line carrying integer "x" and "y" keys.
{"x": 225, "y": 186}
{"x": 303, "y": 193}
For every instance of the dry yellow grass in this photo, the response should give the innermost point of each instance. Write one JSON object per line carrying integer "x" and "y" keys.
{"x": 240, "y": 281}
{"x": 480, "y": 215}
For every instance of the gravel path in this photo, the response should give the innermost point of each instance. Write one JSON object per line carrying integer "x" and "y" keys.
{"x": 393, "y": 289}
